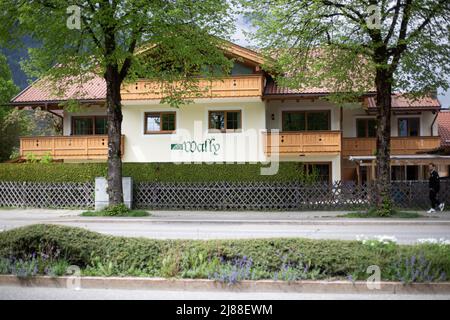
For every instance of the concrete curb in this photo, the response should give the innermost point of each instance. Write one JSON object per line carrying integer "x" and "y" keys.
{"x": 344, "y": 221}
{"x": 134, "y": 283}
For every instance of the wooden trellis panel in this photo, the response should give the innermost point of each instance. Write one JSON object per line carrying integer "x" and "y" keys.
{"x": 278, "y": 196}
{"x": 415, "y": 194}
{"x": 248, "y": 196}
{"x": 223, "y": 195}
{"x": 46, "y": 195}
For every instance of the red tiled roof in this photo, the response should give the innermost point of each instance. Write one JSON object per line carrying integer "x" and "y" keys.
{"x": 443, "y": 120}
{"x": 273, "y": 89}
{"x": 400, "y": 101}
{"x": 95, "y": 89}
{"x": 39, "y": 91}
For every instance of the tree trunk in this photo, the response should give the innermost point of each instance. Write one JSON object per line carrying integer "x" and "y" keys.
{"x": 114, "y": 114}
{"x": 383, "y": 82}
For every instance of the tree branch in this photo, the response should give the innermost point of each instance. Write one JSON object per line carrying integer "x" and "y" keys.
{"x": 394, "y": 22}
{"x": 404, "y": 38}
{"x": 127, "y": 63}
{"x": 342, "y": 7}
{"x": 427, "y": 19}
{"x": 401, "y": 43}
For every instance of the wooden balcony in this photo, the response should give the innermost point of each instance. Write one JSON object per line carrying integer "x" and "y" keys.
{"x": 312, "y": 142}
{"x": 227, "y": 87}
{"x": 399, "y": 145}
{"x": 93, "y": 147}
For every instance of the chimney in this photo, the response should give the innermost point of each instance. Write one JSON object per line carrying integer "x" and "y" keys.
{"x": 433, "y": 94}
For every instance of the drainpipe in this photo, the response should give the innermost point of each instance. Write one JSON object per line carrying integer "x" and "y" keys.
{"x": 432, "y": 124}
{"x": 58, "y": 115}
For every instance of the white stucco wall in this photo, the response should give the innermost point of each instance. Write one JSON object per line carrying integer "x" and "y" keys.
{"x": 192, "y": 125}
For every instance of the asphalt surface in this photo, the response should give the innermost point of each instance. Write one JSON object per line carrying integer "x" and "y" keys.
{"x": 235, "y": 225}
{"x": 34, "y": 293}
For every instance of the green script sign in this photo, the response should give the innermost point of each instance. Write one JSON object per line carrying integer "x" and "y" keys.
{"x": 192, "y": 146}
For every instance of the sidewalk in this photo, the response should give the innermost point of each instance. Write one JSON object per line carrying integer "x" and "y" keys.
{"x": 237, "y": 225}
{"x": 202, "y": 288}
{"x": 223, "y": 217}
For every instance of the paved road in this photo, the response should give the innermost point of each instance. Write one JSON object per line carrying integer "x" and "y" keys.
{"x": 194, "y": 225}
{"x": 12, "y": 293}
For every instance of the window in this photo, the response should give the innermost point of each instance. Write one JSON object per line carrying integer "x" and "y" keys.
{"x": 321, "y": 170}
{"x": 100, "y": 125}
{"x": 240, "y": 69}
{"x": 305, "y": 120}
{"x": 405, "y": 173}
{"x": 409, "y": 127}
{"x": 224, "y": 120}
{"x": 366, "y": 128}
{"x": 89, "y": 125}
{"x": 294, "y": 121}
{"x": 159, "y": 122}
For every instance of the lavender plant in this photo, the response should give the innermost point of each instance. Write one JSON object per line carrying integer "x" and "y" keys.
{"x": 46, "y": 260}
{"x": 233, "y": 272}
{"x": 24, "y": 268}
{"x": 294, "y": 271}
{"x": 417, "y": 269}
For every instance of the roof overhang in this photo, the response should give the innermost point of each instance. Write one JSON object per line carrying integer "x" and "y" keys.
{"x": 53, "y": 104}
{"x": 228, "y": 47}
{"x": 403, "y": 110}
{"x": 422, "y": 159}
{"x": 306, "y": 95}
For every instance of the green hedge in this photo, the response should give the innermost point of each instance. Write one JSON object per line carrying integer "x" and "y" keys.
{"x": 99, "y": 254}
{"x": 81, "y": 172}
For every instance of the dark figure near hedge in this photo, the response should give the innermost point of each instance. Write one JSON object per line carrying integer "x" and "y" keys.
{"x": 434, "y": 185}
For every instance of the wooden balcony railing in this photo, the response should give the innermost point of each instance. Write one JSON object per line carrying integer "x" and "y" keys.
{"x": 227, "y": 87}
{"x": 67, "y": 147}
{"x": 311, "y": 142}
{"x": 399, "y": 145}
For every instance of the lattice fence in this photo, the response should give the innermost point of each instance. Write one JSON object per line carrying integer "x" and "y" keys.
{"x": 277, "y": 196}
{"x": 47, "y": 195}
{"x": 223, "y": 195}
{"x": 415, "y": 194}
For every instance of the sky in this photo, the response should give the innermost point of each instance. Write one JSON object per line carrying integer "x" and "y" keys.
{"x": 240, "y": 38}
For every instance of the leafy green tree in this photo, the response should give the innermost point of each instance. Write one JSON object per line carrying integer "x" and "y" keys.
{"x": 7, "y": 86}
{"x": 12, "y": 122}
{"x": 174, "y": 40}
{"x": 353, "y": 45}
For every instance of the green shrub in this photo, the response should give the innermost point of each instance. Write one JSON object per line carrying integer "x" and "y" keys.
{"x": 15, "y": 153}
{"x": 52, "y": 172}
{"x": 286, "y": 259}
{"x": 373, "y": 213}
{"x": 170, "y": 264}
{"x": 141, "y": 172}
{"x": 47, "y": 158}
{"x": 31, "y": 158}
{"x": 58, "y": 268}
{"x": 117, "y": 211}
